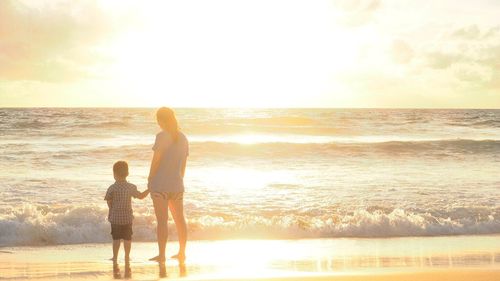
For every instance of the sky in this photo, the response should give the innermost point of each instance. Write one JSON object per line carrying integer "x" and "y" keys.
{"x": 258, "y": 53}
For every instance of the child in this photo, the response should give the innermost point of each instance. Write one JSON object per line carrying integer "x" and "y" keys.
{"x": 120, "y": 214}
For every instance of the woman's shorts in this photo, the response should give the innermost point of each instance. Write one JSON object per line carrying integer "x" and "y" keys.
{"x": 174, "y": 196}
{"x": 121, "y": 231}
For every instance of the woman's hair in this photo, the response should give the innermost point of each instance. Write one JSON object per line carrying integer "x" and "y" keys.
{"x": 167, "y": 121}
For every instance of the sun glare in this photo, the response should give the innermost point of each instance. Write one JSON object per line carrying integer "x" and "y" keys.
{"x": 237, "y": 180}
{"x": 248, "y": 63}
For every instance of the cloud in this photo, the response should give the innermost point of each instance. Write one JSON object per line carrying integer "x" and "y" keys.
{"x": 490, "y": 58}
{"x": 447, "y": 67}
{"x": 467, "y": 64}
{"x": 474, "y": 58}
{"x": 401, "y": 52}
{"x": 442, "y": 60}
{"x": 473, "y": 32}
{"x": 469, "y": 32}
{"x": 492, "y": 32}
{"x": 47, "y": 42}
{"x": 469, "y": 75}
{"x": 355, "y": 13}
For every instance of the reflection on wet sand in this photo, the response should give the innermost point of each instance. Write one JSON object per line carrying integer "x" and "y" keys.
{"x": 262, "y": 258}
{"x": 348, "y": 263}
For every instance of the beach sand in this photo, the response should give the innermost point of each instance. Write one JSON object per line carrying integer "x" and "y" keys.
{"x": 426, "y": 258}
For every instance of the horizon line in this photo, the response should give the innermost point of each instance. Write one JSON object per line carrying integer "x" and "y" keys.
{"x": 239, "y": 107}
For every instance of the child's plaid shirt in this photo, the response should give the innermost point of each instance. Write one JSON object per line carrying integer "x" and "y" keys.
{"x": 120, "y": 193}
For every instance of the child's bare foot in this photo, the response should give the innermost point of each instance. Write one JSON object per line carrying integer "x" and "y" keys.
{"x": 116, "y": 271}
{"x": 128, "y": 271}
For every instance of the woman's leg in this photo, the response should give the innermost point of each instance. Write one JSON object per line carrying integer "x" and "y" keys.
{"x": 176, "y": 207}
{"x": 160, "y": 204}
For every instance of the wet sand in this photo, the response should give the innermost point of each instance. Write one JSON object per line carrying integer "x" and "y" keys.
{"x": 426, "y": 258}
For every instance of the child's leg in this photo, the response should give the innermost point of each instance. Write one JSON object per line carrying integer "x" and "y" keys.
{"x": 116, "y": 248}
{"x": 127, "y": 244}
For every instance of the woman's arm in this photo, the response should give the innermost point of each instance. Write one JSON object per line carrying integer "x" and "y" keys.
{"x": 183, "y": 168}
{"x": 155, "y": 163}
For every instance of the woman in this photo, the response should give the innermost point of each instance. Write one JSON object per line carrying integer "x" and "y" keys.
{"x": 166, "y": 181}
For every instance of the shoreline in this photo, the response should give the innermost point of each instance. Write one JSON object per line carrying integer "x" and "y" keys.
{"x": 451, "y": 257}
{"x": 170, "y": 241}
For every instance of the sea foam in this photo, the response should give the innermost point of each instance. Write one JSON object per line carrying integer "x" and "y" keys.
{"x": 44, "y": 225}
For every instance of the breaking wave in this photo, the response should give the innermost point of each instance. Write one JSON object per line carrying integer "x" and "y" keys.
{"x": 44, "y": 225}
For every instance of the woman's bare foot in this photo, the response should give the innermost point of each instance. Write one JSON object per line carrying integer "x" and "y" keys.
{"x": 182, "y": 270}
{"x": 180, "y": 257}
{"x": 157, "y": 259}
{"x": 163, "y": 270}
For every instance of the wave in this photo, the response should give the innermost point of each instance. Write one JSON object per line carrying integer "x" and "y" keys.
{"x": 276, "y": 149}
{"x": 32, "y": 124}
{"x": 488, "y": 123}
{"x": 275, "y": 121}
{"x": 473, "y": 123}
{"x": 44, "y": 225}
{"x": 104, "y": 125}
{"x": 212, "y": 150}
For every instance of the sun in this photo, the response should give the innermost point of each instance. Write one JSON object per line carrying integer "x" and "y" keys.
{"x": 225, "y": 58}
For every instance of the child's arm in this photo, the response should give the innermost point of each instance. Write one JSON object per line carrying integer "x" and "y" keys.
{"x": 109, "y": 197}
{"x": 143, "y": 194}
{"x": 139, "y": 195}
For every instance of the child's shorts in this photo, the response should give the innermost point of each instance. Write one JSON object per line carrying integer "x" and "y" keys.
{"x": 121, "y": 231}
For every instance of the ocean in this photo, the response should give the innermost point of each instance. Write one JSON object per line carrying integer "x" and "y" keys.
{"x": 256, "y": 173}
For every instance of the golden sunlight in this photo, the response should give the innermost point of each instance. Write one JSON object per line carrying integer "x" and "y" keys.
{"x": 267, "y": 140}
{"x": 248, "y": 63}
{"x": 279, "y": 53}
